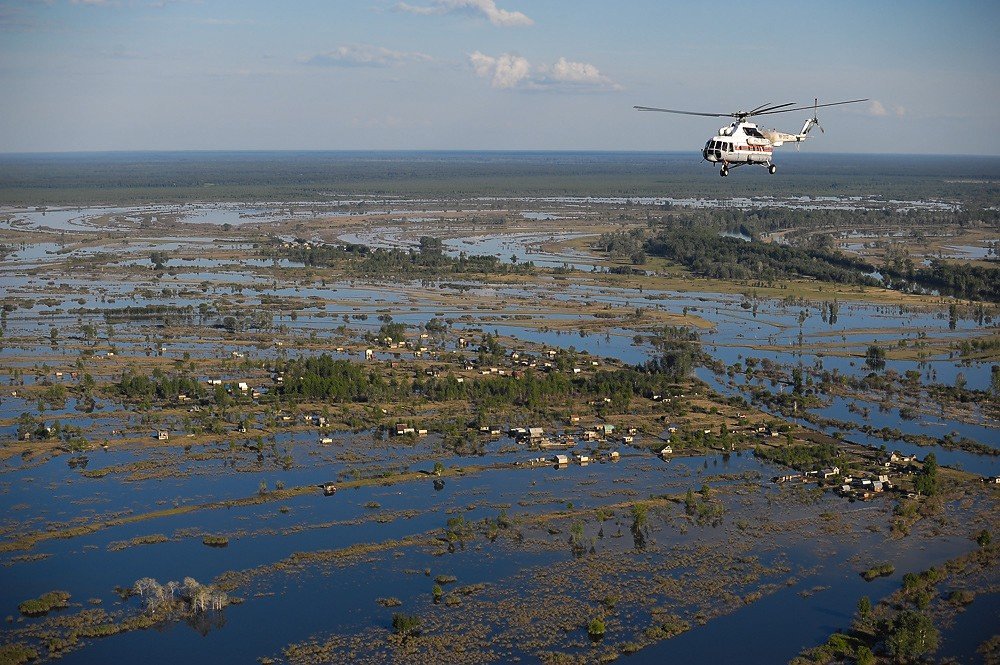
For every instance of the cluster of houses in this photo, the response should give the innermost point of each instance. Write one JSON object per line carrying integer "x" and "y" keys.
{"x": 861, "y": 487}
{"x": 562, "y": 460}
{"x": 536, "y": 437}
{"x": 583, "y": 459}
{"x": 864, "y": 488}
{"x": 402, "y": 429}
{"x": 241, "y": 387}
{"x": 857, "y": 487}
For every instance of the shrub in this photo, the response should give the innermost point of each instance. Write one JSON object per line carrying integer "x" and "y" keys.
{"x": 44, "y": 604}
{"x": 596, "y": 629}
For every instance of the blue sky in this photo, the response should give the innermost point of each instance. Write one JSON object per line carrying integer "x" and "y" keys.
{"x": 490, "y": 74}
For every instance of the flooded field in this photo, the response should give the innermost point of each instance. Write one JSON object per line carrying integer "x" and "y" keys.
{"x": 157, "y": 425}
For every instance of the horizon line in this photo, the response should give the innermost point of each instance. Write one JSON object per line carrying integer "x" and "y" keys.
{"x": 144, "y": 151}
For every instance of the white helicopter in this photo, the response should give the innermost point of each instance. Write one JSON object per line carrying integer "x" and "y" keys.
{"x": 743, "y": 142}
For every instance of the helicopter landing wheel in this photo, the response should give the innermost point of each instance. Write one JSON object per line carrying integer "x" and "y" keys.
{"x": 771, "y": 169}
{"x": 724, "y": 172}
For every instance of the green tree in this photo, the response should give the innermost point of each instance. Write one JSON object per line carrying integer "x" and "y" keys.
{"x": 864, "y": 656}
{"x": 927, "y": 481}
{"x": 911, "y": 636}
{"x": 405, "y": 624}
{"x": 875, "y": 357}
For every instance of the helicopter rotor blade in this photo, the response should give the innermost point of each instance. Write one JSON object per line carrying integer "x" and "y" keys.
{"x": 710, "y": 115}
{"x": 758, "y": 109}
{"x": 812, "y": 108}
{"x": 769, "y": 109}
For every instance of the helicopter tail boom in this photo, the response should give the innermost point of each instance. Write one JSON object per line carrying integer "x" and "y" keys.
{"x": 778, "y": 138}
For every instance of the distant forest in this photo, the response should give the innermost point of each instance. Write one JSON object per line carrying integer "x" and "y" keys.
{"x": 427, "y": 260}
{"x": 698, "y": 245}
{"x": 171, "y": 177}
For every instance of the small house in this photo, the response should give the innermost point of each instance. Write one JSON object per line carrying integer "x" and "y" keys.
{"x": 162, "y": 434}
{"x": 667, "y": 450}
{"x": 403, "y": 428}
{"x": 831, "y": 472}
{"x": 615, "y": 455}
{"x": 561, "y": 460}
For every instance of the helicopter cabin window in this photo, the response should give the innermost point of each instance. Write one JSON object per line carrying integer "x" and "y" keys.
{"x": 754, "y": 132}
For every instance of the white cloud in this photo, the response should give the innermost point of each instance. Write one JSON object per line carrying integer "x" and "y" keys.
{"x": 507, "y": 71}
{"x": 879, "y": 110}
{"x": 580, "y": 74}
{"x": 512, "y": 71}
{"x": 364, "y": 55}
{"x": 486, "y": 8}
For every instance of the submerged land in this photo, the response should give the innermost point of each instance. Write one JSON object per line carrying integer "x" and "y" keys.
{"x": 473, "y": 407}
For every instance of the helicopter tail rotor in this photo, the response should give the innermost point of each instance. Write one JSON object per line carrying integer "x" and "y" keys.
{"x": 813, "y": 121}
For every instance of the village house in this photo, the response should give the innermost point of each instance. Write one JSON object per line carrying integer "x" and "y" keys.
{"x": 162, "y": 434}
{"x": 403, "y": 428}
{"x": 897, "y": 457}
{"x": 561, "y": 460}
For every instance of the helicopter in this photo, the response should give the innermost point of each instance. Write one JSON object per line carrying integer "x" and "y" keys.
{"x": 744, "y": 142}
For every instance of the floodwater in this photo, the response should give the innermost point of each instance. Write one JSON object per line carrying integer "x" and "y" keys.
{"x": 39, "y": 496}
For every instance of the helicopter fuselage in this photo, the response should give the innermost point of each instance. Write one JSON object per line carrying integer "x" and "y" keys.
{"x": 739, "y": 143}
